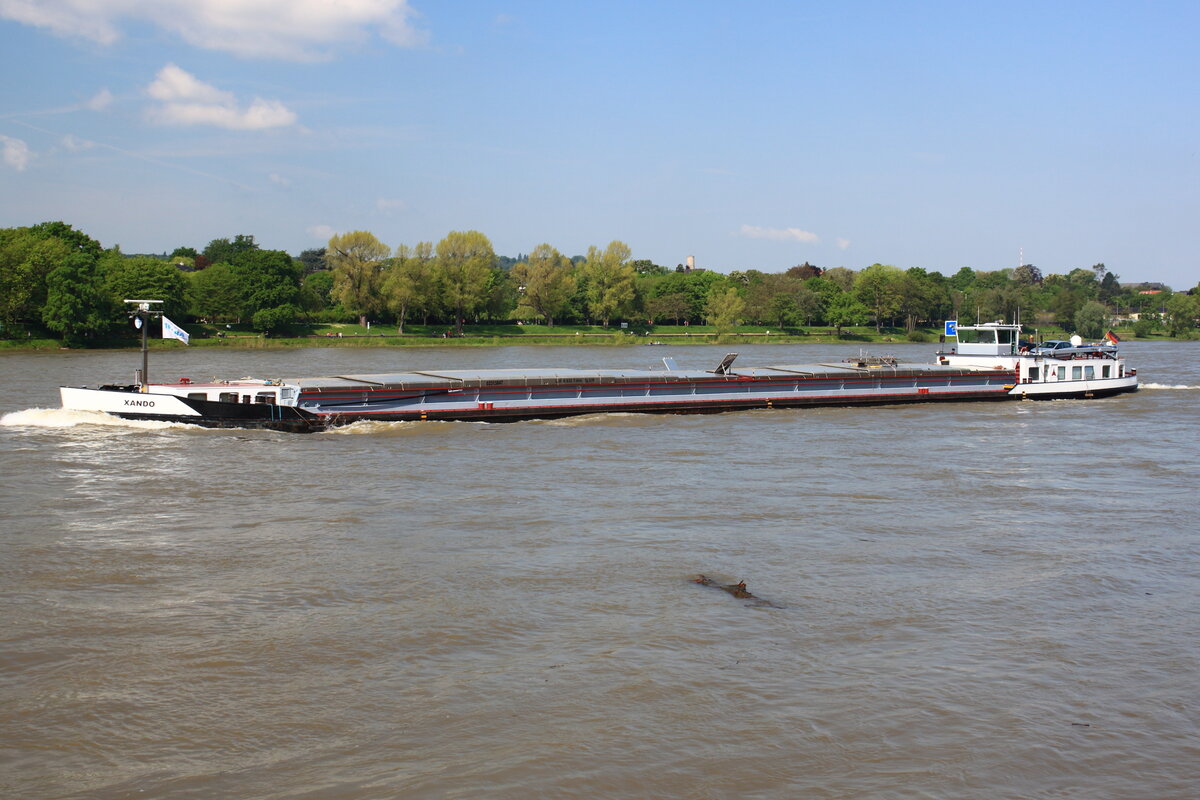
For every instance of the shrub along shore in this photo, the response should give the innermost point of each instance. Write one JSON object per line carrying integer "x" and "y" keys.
{"x": 350, "y": 335}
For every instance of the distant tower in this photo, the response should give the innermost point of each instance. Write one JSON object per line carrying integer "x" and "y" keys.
{"x": 691, "y": 263}
{"x": 1021, "y": 257}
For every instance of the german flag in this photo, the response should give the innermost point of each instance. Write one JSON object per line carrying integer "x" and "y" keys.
{"x": 1112, "y": 337}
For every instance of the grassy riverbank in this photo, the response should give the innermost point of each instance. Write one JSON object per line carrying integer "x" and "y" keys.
{"x": 349, "y": 335}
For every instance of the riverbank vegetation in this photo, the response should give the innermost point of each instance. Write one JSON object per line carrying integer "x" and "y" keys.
{"x": 60, "y": 287}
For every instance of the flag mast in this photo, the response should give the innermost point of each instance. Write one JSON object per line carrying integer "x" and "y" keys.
{"x": 141, "y": 318}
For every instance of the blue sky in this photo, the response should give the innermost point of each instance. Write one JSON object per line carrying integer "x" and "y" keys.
{"x": 751, "y": 135}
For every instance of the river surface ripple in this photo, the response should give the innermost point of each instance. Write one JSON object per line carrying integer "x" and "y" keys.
{"x": 961, "y": 600}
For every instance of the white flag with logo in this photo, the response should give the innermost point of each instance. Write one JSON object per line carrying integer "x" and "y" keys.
{"x": 173, "y": 331}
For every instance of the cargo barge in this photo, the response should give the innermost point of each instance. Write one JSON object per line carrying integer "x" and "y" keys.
{"x": 982, "y": 362}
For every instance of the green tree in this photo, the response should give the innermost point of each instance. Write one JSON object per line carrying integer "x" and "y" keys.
{"x": 694, "y": 286}
{"x": 761, "y": 291}
{"x": 808, "y": 303}
{"x": 840, "y": 276}
{"x": 781, "y": 299}
{"x": 724, "y": 309}
{"x": 993, "y": 279}
{"x": 804, "y": 271}
{"x": 77, "y": 241}
{"x": 466, "y": 260}
{"x": 313, "y": 260}
{"x": 1066, "y": 305}
{"x": 1084, "y": 282}
{"x": 76, "y": 303}
{"x": 918, "y": 293}
{"x": 844, "y": 309}
{"x": 410, "y": 282}
{"x": 430, "y": 280}
{"x": 963, "y": 280}
{"x": 145, "y": 278}
{"x": 785, "y": 311}
{"x": 1091, "y": 320}
{"x": 356, "y": 261}
{"x": 610, "y": 280}
{"x": 647, "y": 267}
{"x": 824, "y": 290}
{"x": 316, "y": 291}
{"x": 501, "y": 295}
{"x": 547, "y": 281}
{"x": 226, "y": 251}
{"x": 1110, "y": 287}
{"x": 999, "y": 303}
{"x": 26, "y": 259}
{"x": 215, "y": 294}
{"x": 878, "y": 288}
{"x": 399, "y": 289}
{"x": 1027, "y": 275}
{"x": 1181, "y": 315}
{"x": 268, "y": 280}
{"x": 674, "y": 306}
{"x": 274, "y": 319}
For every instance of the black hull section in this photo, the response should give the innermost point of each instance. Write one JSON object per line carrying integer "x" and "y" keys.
{"x": 257, "y": 416}
{"x": 1097, "y": 393}
{"x": 286, "y": 426}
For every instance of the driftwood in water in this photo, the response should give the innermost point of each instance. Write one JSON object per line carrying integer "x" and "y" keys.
{"x": 738, "y": 590}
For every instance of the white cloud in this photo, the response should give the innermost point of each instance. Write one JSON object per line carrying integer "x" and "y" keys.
{"x": 278, "y": 179}
{"x": 16, "y": 153}
{"x": 301, "y": 30}
{"x": 88, "y": 20}
{"x": 100, "y": 101}
{"x": 173, "y": 83}
{"x": 843, "y": 243}
{"x": 779, "y": 234}
{"x": 323, "y": 232}
{"x": 385, "y": 205}
{"x": 75, "y": 144}
{"x": 185, "y": 100}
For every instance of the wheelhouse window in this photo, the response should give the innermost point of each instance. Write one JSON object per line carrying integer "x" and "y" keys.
{"x": 1076, "y": 373}
{"x": 228, "y": 397}
{"x": 265, "y": 397}
{"x": 1033, "y": 373}
{"x": 197, "y": 396}
{"x": 1106, "y": 371}
{"x": 967, "y": 336}
{"x": 1089, "y": 373}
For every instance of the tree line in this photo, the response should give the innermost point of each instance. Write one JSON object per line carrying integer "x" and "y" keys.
{"x": 56, "y": 279}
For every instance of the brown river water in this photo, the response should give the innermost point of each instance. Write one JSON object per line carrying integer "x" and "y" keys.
{"x": 972, "y": 600}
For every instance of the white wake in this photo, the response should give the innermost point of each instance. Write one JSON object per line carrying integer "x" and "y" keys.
{"x": 70, "y": 418}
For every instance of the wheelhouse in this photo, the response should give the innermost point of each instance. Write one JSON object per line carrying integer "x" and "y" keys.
{"x": 989, "y": 339}
{"x": 246, "y": 392}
